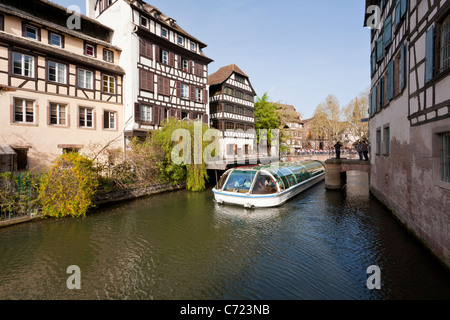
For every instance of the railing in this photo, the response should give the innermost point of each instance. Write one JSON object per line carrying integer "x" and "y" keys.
{"x": 17, "y": 195}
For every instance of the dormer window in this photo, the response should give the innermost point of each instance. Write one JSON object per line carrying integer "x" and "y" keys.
{"x": 180, "y": 40}
{"x": 31, "y": 32}
{"x": 89, "y": 50}
{"x": 193, "y": 46}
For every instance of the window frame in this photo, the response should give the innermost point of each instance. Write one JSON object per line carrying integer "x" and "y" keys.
{"x": 178, "y": 40}
{"x": 146, "y": 113}
{"x": 166, "y": 31}
{"x": 164, "y": 57}
{"x": 58, "y": 111}
{"x": 94, "y": 49}
{"x": 184, "y": 91}
{"x": 142, "y": 18}
{"x": 22, "y": 66}
{"x": 24, "y": 111}
{"x": 79, "y": 71}
{"x": 387, "y": 140}
{"x": 113, "y": 119}
{"x": 57, "y": 64}
{"x": 109, "y": 82}
{"x": 105, "y": 55}
{"x": 61, "y": 38}
{"x": 37, "y": 29}
{"x": 85, "y": 113}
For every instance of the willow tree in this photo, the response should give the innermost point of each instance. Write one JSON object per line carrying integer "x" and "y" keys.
{"x": 184, "y": 140}
{"x": 326, "y": 123}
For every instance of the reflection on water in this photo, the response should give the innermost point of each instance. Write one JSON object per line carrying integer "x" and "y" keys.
{"x": 183, "y": 245}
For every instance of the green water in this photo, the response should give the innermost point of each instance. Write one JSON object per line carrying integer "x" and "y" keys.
{"x": 183, "y": 245}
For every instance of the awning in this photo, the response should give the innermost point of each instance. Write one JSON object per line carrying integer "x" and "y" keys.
{"x": 6, "y": 150}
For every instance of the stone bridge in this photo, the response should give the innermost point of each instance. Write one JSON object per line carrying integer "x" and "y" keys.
{"x": 336, "y": 174}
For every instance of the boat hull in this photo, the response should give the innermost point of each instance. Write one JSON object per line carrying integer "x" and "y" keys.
{"x": 265, "y": 201}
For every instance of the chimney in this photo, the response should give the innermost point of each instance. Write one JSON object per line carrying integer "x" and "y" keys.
{"x": 90, "y": 8}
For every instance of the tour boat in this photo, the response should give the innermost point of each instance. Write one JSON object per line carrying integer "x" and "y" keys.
{"x": 267, "y": 186}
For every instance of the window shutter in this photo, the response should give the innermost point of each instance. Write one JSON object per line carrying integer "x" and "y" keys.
{"x": 429, "y": 64}
{"x": 379, "y": 49}
{"x": 404, "y": 7}
{"x": 205, "y": 96}
{"x": 137, "y": 112}
{"x": 155, "y": 115}
{"x": 403, "y": 67}
{"x": 171, "y": 59}
{"x": 387, "y": 31}
{"x": 370, "y": 104}
{"x": 143, "y": 80}
{"x": 192, "y": 93}
{"x": 142, "y": 48}
{"x": 391, "y": 80}
{"x": 374, "y": 97}
{"x": 397, "y": 13}
{"x": 190, "y": 69}
{"x": 149, "y": 50}
{"x": 157, "y": 53}
{"x": 205, "y": 118}
{"x": 178, "y": 89}
{"x": 381, "y": 92}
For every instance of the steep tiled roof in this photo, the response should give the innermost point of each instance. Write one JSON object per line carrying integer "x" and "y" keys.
{"x": 167, "y": 21}
{"x": 223, "y": 73}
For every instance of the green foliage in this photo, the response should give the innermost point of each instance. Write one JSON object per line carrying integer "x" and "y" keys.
{"x": 194, "y": 174}
{"x": 266, "y": 114}
{"x": 17, "y": 192}
{"x": 69, "y": 187}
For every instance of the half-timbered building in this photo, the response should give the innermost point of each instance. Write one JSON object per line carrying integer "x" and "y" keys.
{"x": 232, "y": 110}
{"x": 166, "y": 69}
{"x": 410, "y": 115}
{"x": 63, "y": 85}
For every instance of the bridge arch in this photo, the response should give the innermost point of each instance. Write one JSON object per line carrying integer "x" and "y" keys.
{"x": 336, "y": 171}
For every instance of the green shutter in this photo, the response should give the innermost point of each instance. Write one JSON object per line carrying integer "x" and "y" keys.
{"x": 403, "y": 67}
{"x": 429, "y": 64}
{"x": 404, "y": 7}
{"x": 387, "y": 31}
{"x": 391, "y": 80}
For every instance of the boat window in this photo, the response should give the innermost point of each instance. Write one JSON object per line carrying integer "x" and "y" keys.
{"x": 282, "y": 183}
{"x": 264, "y": 184}
{"x": 222, "y": 180}
{"x": 289, "y": 176}
{"x": 240, "y": 181}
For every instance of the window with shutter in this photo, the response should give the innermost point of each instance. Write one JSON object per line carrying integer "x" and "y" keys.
{"x": 391, "y": 80}
{"x": 429, "y": 63}
{"x": 379, "y": 49}
{"x": 146, "y": 80}
{"x": 387, "y": 31}
{"x": 403, "y": 67}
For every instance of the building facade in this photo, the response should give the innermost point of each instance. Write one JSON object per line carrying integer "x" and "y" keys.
{"x": 166, "y": 70}
{"x": 232, "y": 110}
{"x": 410, "y": 116}
{"x": 63, "y": 86}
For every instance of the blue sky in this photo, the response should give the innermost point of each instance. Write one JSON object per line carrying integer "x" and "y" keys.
{"x": 299, "y": 51}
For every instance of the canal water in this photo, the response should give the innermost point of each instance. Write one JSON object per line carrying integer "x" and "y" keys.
{"x": 183, "y": 246}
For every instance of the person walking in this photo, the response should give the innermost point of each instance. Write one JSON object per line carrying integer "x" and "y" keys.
{"x": 365, "y": 150}
{"x": 338, "y": 147}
